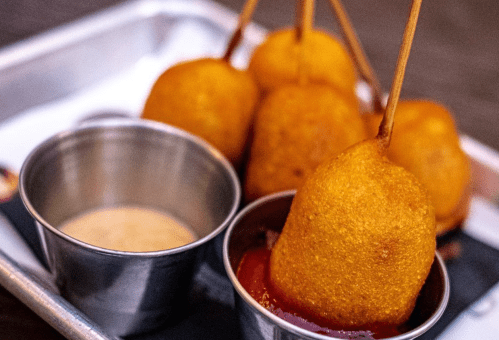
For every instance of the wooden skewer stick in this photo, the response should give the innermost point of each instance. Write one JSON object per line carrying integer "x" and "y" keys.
{"x": 244, "y": 19}
{"x": 304, "y": 23}
{"x": 358, "y": 55}
{"x": 304, "y": 18}
{"x": 386, "y": 126}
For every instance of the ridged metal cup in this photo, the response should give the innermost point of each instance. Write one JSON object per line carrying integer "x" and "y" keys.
{"x": 127, "y": 162}
{"x": 249, "y": 229}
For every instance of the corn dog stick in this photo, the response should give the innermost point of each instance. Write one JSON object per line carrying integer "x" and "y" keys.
{"x": 244, "y": 19}
{"x": 386, "y": 126}
{"x": 358, "y": 55}
{"x": 304, "y": 18}
{"x": 304, "y": 23}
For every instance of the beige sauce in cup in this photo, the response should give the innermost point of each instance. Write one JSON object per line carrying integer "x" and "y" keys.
{"x": 133, "y": 229}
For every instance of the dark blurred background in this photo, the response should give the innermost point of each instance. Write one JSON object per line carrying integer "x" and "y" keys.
{"x": 454, "y": 60}
{"x": 455, "y": 56}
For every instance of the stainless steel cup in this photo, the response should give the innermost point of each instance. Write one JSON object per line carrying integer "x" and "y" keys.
{"x": 249, "y": 229}
{"x": 127, "y": 162}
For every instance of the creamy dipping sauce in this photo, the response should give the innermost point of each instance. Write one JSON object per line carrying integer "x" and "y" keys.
{"x": 133, "y": 229}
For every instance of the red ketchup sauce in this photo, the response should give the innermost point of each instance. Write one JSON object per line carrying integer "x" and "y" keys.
{"x": 252, "y": 273}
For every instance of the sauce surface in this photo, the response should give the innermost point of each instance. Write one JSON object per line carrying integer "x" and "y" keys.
{"x": 129, "y": 228}
{"x": 252, "y": 273}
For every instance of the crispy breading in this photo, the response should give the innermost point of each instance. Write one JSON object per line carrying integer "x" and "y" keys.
{"x": 296, "y": 128}
{"x": 358, "y": 242}
{"x": 322, "y": 58}
{"x": 209, "y": 98}
{"x": 426, "y": 143}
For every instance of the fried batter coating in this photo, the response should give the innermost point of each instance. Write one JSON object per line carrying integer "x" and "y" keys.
{"x": 209, "y": 98}
{"x": 296, "y": 128}
{"x": 358, "y": 243}
{"x": 426, "y": 143}
{"x": 323, "y": 58}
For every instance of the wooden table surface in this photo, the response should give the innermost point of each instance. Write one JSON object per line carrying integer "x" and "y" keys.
{"x": 454, "y": 60}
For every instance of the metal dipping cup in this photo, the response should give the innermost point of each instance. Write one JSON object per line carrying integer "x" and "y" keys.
{"x": 248, "y": 229}
{"x": 127, "y": 162}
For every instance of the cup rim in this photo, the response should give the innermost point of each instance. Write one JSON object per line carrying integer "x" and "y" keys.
{"x": 132, "y": 123}
{"x": 421, "y": 329}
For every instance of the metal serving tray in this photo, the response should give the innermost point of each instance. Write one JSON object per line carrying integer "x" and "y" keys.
{"x": 107, "y": 63}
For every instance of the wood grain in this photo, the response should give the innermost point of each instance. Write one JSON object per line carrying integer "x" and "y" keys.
{"x": 18, "y": 322}
{"x": 454, "y": 58}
